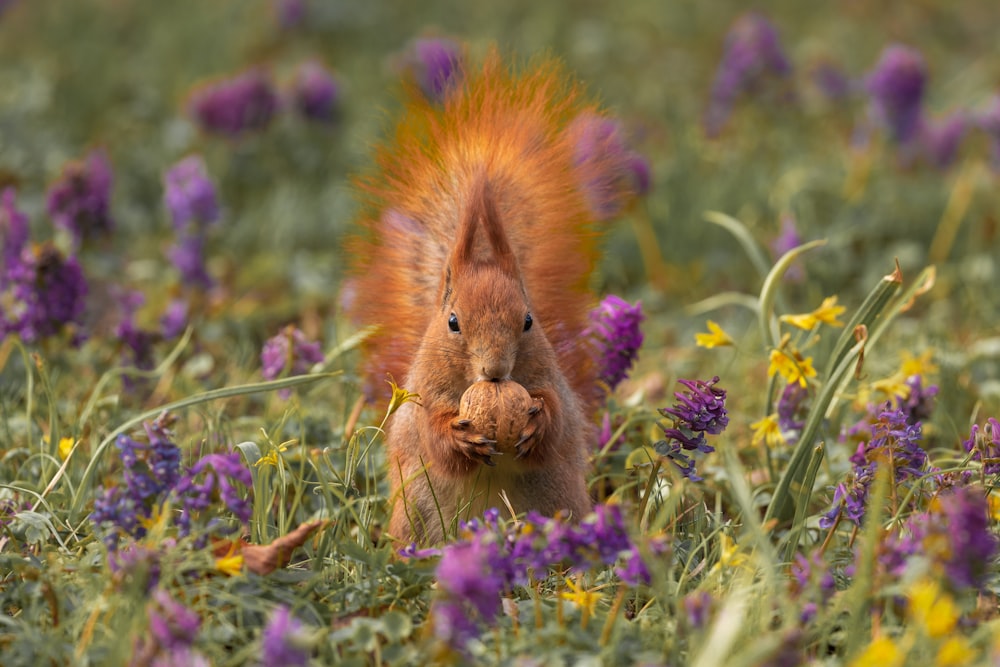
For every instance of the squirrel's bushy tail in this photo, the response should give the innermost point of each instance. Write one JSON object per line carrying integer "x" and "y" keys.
{"x": 511, "y": 128}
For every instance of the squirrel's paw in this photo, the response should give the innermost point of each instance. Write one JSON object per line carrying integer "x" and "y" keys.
{"x": 532, "y": 431}
{"x": 473, "y": 445}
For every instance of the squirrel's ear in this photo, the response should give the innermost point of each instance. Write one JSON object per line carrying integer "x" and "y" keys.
{"x": 481, "y": 212}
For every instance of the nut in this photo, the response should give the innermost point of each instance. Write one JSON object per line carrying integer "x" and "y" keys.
{"x": 498, "y": 410}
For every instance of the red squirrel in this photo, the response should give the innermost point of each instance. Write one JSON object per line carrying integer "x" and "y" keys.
{"x": 475, "y": 264}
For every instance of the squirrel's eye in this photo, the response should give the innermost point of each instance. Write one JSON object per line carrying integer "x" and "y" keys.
{"x": 453, "y": 323}
{"x": 527, "y": 321}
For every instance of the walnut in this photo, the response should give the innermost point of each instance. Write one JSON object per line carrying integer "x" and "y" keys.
{"x": 498, "y": 410}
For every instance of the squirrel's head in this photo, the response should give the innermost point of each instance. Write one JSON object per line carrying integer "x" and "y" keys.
{"x": 485, "y": 311}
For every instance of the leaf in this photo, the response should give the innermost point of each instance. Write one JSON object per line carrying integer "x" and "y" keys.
{"x": 266, "y": 558}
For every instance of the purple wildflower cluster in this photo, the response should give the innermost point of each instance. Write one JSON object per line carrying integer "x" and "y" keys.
{"x": 248, "y": 102}
{"x": 985, "y": 446}
{"x": 80, "y": 199}
{"x": 615, "y": 330}
{"x": 608, "y": 170}
{"x": 42, "y": 291}
{"x": 314, "y": 92}
{"x": 752, "y": 59}
{"x": 490, "y": 559}
{"x": 152, "y": 474}
{"x": 151, "y": 470}
{"x": 137, "y": 342}
{"x": 896, "y": 88}
{"x": 210, "y": 481}
{"x": 284, "y": 640}
{"x": 792, "y": 408}
{"x": 433, "y": 64}
{"x": 236, "y": 106}
{"x": 289, "y": 353}
{"x": 955, "y": 535}
{"x": 699, "y": 410}
{"x": 173, "y": 629}
{"x": 191, "y": 200}
{"x": 895, "y": 441}
{"x": 811, "y": 580}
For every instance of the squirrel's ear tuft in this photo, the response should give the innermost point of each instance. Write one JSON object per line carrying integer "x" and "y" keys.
{"x": 482, "y": 213}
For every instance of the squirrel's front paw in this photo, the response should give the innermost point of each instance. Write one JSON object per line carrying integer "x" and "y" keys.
{"x": 473, "y": 445}
{"x": 532, "y": 432}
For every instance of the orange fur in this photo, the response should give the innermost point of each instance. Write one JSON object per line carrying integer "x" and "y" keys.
{"x": 475, "y": 209}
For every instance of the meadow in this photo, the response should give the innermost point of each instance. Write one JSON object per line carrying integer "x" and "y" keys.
{"x": 795, "y": 461}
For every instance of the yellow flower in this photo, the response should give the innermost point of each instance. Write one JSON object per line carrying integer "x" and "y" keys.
{"x": 954, "y": 652}
{"x": 231, "y": 563}
{"x": 65, "y": 447}
{"x": 271, "y": 458}
{"x": 768, "y": 431}
{"x": 894, "y": 385}
{"x": 399, "y": 397}
{"x": 932, "y": 609}
{"x": 715, "y": 338}
{"x": 882, "y": 652}
{"x": 586, "y": 600}
{"x": 922, "y": 365}
{"x": 793, "y": 369}
{"x": 827, "y": 313}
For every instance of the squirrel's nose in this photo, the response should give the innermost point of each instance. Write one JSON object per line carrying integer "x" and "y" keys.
{"x": 494, "y": 372}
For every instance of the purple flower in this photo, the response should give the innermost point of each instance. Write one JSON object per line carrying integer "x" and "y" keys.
{"x": 138, "y": 343}
{"x": 698, "y": 606}
{"x": 315, "y": 93}
{"x": 235, "y": 106}
{"x": 289, "y": 352}
{"x": 80, "y": 199}
{"x": 173, "y": 626}
{"x": 434, "y": 64}
{"x": 896, "y": 88}
{"x": 940, "y": 139}
{"x": 608, "y": 171}
{"x": 751, "y": 57}
{"x": 284, "y": 642}
{"x": 791, "y": 406}
{"x": 174, "y": 319}
{"x": 189, "y": 194}
{"x": 211, "y": 480}
{"x": 788, "y": 238}
{"x": 13, "y": 233}
{"x": 188, "y": 256}
{"x": 471, "y": 587}
{"x": 151, "y": 470}
{"x": 43, "y": 293}
{"x": 985, "y": 446}
{"x": 699, "y": 410}
{"x": 919, "y": 405}
{"x": 894, "y": 442}
{"x": 138, "y": 563}
{"x": 970, "y": 551}
{"x": 614, "y": 327}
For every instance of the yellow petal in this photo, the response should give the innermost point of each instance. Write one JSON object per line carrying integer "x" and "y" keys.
{"x": 715, "y": 338}
{"x": 230, "y": 564}
{"x": 65, "y": 447}
{"x": 767, "y": 431}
